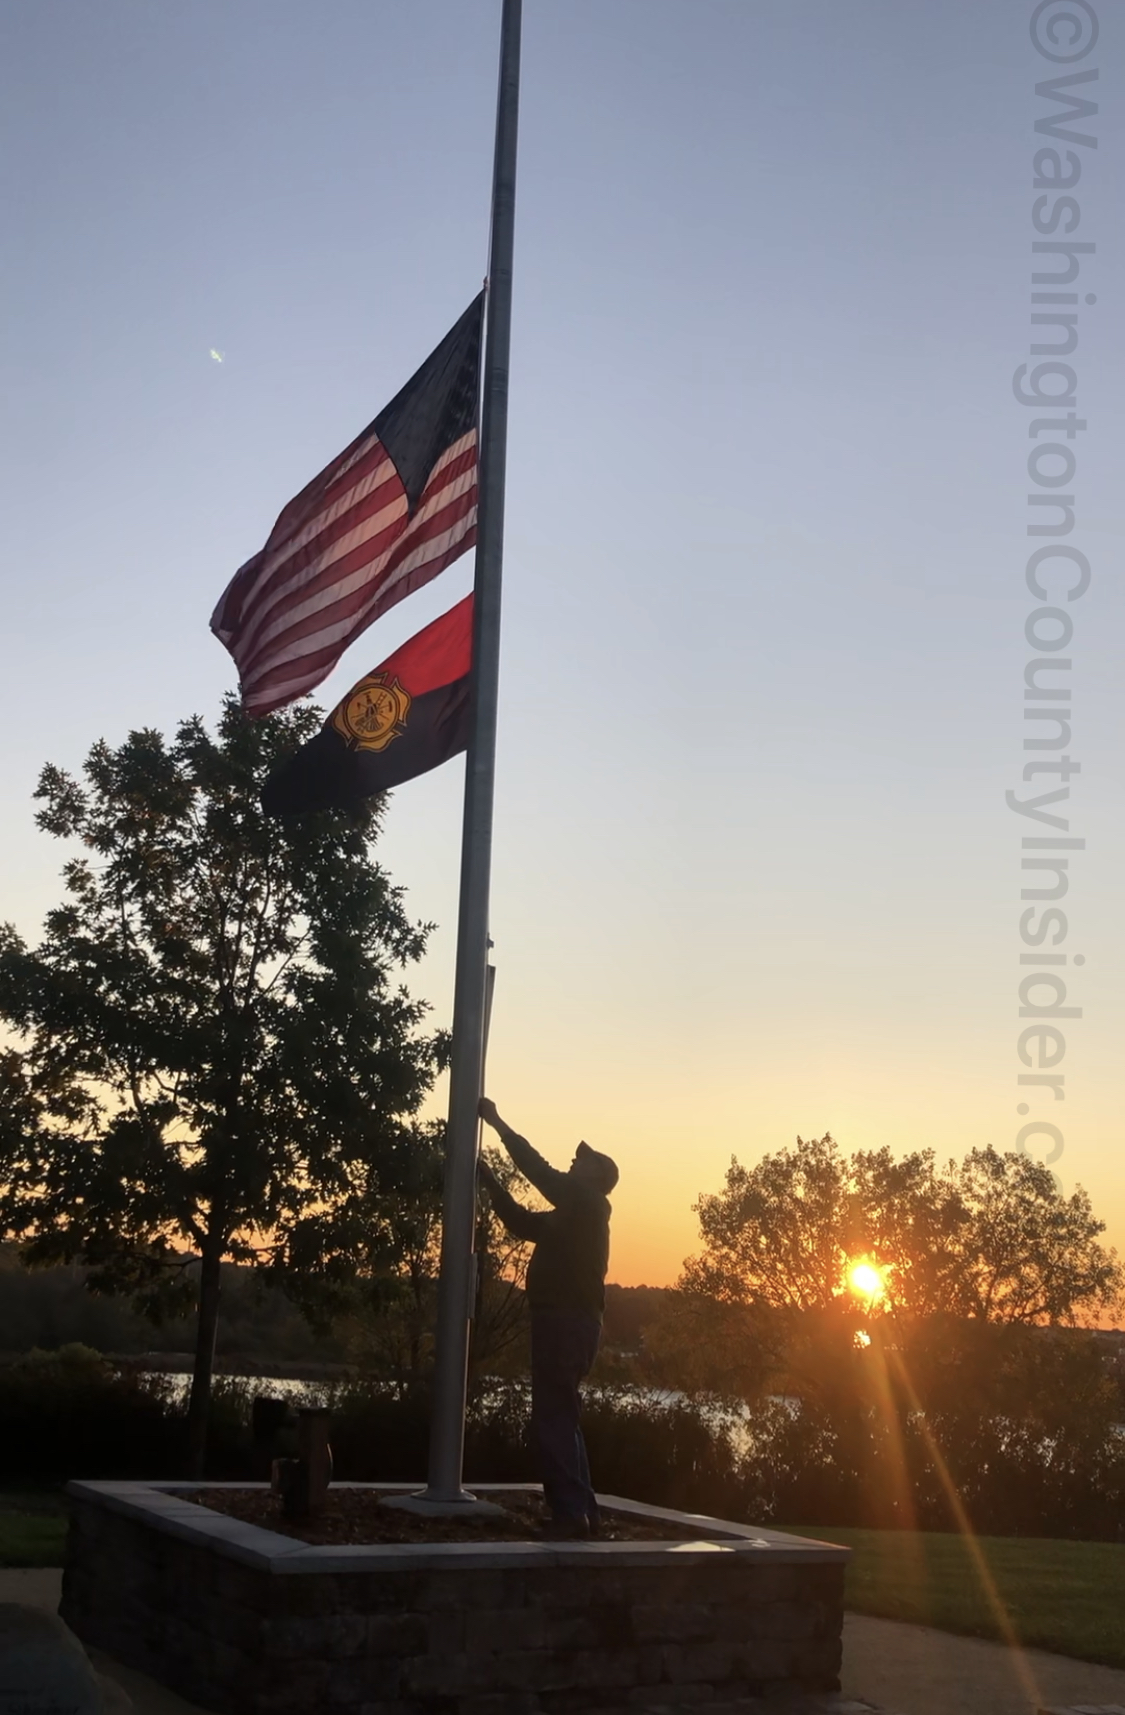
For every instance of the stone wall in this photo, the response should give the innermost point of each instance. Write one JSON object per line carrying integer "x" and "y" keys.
{"x": 246, "y": 1622}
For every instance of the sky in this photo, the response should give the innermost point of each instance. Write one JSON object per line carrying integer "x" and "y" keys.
{"x": 764, "y": 641}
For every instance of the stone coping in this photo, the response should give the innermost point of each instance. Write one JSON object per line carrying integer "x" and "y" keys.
{"x": 165, "y": 1507}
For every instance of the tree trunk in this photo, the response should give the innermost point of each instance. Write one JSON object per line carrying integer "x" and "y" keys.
{"x": 206, "y": 1328}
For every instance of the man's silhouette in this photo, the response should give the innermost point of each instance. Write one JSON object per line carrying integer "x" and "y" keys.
{"x": 566, "y": 1292}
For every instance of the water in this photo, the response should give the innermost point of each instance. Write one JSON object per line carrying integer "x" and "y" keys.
{"x": 178, "y": 1385}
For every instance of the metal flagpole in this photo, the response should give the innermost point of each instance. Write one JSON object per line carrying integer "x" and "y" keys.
{"x": 456, "y": 1282}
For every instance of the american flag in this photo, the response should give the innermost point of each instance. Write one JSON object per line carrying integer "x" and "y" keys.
{"x": 390, "y": 513}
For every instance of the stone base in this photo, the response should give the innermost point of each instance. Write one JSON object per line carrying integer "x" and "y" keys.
{"x": 249, "y": 1622}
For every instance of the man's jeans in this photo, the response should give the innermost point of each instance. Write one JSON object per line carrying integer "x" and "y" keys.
{"x": 564, "y": 1344}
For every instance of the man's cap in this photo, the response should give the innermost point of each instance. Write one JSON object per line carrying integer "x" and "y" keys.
{"x": 606, "y": 1166}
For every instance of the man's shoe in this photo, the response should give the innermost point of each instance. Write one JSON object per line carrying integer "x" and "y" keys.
{"x": 565, "y": 1530}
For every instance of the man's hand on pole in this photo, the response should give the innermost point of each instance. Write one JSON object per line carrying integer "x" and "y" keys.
{"x": 487, "y": 1112}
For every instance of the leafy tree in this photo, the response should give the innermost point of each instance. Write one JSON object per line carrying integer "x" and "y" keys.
{"x": 51, "y": 1307}
{"x": 1023, "y": 1251}
{"x": 777, "y": 1234}
{"x": 958, "y": 1391}
{"x": 698, "y": 1344}
{"x": 389, "y": 1305}
{"x": 908, "y": 1216}
{"x": 501, "y": 1324}
{"x": 629, "y": 1311}
{"x": 991, "y": 1237}
{"x": 215, "y": 1059}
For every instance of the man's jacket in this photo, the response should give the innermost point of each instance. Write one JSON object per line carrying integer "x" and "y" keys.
{"x": 568, "y": 1265}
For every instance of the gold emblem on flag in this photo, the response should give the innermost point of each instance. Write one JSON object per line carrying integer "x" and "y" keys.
{"x": 374, "y": 714}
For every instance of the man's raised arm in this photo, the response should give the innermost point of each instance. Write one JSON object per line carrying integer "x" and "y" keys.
{"x": 521, "y": 1223}
{"x": 553, "y": 1185}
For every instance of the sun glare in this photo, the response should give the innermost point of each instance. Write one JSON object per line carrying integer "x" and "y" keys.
{"x": 867, "y": 1281}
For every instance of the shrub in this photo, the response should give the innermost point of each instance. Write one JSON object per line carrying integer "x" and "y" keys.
{"x": 69, "y": 1413}
{"x": 1056, "y": 1472}
{"x": 72, "y": 1413}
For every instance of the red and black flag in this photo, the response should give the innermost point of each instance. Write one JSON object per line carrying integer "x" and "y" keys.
{"x": 390, "y": 513}
{"x": 408, "y": 716}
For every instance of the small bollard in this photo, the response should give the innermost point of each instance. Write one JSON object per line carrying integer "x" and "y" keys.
{"x": 303, "y": 1482}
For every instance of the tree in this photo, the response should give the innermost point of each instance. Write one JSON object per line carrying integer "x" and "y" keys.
{"x": 991, "y": 1237}
{"x": 1024, "y": 1252}
{"x": 388, "y": 1304}
{"x": 697, "y": 1344}
{"x": 777, "y": 1234}
{"x": 954, "y": 1389}
{"x": 214, "y": 1058}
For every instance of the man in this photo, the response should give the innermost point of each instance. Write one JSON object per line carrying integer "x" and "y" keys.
{"x": 566, "y": 1292}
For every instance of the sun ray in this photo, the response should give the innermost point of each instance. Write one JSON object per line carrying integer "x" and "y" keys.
{"x": 965, "y": 1529}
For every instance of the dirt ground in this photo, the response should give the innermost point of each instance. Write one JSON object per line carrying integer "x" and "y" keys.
{"x": 358, "y": 1516}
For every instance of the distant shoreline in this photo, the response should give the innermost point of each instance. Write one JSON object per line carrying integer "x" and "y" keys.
{"x": 234, "y": 1365}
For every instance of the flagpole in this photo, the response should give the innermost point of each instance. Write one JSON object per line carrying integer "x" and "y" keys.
{"x": 456, "y": 1280}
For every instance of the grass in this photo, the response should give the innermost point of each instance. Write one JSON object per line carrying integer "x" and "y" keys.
{"x": 1063, "y": 1596}
{"x": 32, "y": 1527}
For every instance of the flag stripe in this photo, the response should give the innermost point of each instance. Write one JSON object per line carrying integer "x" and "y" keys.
{"x": 274, "y": 573}
{"x": 384, "y": 517}
{"x": 310, "y": 656}
{"x": 368, "y": 481}
{"x": 366, "y": 545}
{"x": 441, "y": 652}
{"x": 350, "y": 545}
{"x": 282, "y": 690}
{"x": 349, "y": 565}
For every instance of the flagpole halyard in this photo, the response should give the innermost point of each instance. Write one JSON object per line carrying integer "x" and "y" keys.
{"x": 456, "y": 1280}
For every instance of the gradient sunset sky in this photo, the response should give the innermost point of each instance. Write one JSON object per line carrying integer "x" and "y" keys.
{"x": 763, "y": 655}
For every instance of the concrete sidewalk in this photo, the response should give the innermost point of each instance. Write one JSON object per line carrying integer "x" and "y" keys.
{"x": 900, "y": 1669}
{"x": 127, "y": 1693}
{"x": 911, "y": 1670}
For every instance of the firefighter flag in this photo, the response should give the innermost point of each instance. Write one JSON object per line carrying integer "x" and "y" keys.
{"x": 408, "y": 716}
{"x": 390, "y": 513}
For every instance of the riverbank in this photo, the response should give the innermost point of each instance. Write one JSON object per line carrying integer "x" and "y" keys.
{"x": 234, "y": 1366}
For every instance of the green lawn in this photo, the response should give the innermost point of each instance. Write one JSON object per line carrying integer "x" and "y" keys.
{"x": 1062, "y": 1596}
{"x": 32, "y": 1528}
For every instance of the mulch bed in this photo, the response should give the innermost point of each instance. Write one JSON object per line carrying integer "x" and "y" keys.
{"x": 358, "y": 1516}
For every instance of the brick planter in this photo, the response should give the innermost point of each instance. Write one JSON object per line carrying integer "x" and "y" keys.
{"x": 248, "y": 1622}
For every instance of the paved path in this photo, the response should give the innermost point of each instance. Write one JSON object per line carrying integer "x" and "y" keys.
{"x": 903, "y": 1670}
{"x": 129, "y": 1693}
{"x": 911, "y": 1670}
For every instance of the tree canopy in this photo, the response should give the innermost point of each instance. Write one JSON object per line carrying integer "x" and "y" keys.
{"x": 388, "y": 1313}
{"x": 215, "y": 1057}
{"x": 989, "y": 1237}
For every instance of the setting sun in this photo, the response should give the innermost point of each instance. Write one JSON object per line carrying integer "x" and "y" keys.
{"x": 866, "y": 1280}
